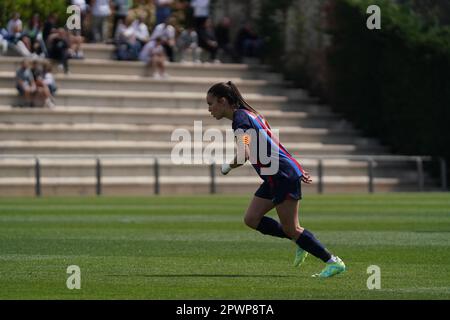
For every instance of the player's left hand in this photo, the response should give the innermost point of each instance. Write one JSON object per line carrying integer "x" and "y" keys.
{"x": 306, "y": 178}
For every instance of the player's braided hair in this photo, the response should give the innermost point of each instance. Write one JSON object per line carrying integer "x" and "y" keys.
{"x": 229, "y": 91}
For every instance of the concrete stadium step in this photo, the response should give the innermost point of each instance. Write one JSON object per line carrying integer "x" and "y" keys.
{"x": 131, "y": 132}
{"x": 160, "y": 116}
{"x": 137, "y": 167}
{"x": 111, "y": 67}
{"x": 14, "y": 147}
{"x": 183, "y": 185}
{"x": 106, "y": 52}
{"x": 98, "y": 51}
{"x": 91, "y": 51}
{"x": 149, "y": 84}
{"x": 140, "y": 99}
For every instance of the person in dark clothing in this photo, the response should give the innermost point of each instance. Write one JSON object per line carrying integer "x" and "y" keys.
{"x": 58, "y": 45}
{"x": 248, "y": 43}
{"x": 33, "y": 31}
{"x": 282, "y": 177}
{"x": 42, "y": 90}
{"x": 120, "y": 13}
{"x": 25, "y": 83}
{"x": 222, "y": 32}
{"x": 207, "y": 40}
{"x": 49, "y": 26}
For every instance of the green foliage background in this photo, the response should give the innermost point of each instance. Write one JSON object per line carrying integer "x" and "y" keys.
{"x": 271, "y": 25}
{"x": 27, "y": 8}
{"x": 394, "y": 83}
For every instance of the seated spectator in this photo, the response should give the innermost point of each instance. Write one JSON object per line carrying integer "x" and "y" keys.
{"x": 120, "y": 30}
{"x": 120, "y": 13}
{"x": 69, "y": 42}
{"x": 36, "y": 70}
{"x": 76, "y": 36}
{"x": 140, "y": 30}
{"x": 75, "y": 42}
{"x": 42, "y": 90}
{"x": 14, "y": 28}
{"x": 25, "y": 83}
{"x": 58, "y": 45}
{"x": 34, "y": 33}
{"x": 222, "y": 33}
{"x": 153, "y": 55}
{"x": 16, "y": 36}
{"x": 207, "y": 40}
{"x": 3, "y": 41}
{"x": 166, "y": 32}
{"x": 248, "y": 44}
{"x": 127, "y": 45}
{"x": 50, "y": 26}
{"x": 187, "y": 43}
{"x": 49, "y": 79}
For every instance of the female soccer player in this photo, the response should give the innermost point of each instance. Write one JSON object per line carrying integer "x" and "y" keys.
{"x": 281, "y": 190}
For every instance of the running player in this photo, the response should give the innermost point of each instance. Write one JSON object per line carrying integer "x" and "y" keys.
{"x": 281, "y": 190}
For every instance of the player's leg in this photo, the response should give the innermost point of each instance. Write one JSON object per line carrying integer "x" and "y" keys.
{"x": 288, "y": 213}
{"x": 257, "y": 208}
{"x": 255, "y": 218}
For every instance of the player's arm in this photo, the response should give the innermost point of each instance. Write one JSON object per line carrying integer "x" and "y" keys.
{"x": 235, "y": 162}
{"x": 241, "y": 140}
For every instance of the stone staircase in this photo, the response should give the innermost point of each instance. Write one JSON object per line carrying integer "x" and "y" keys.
{"x": 109, "y": 109}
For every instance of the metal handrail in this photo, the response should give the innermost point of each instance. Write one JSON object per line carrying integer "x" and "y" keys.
{"x": 370, "y": 159}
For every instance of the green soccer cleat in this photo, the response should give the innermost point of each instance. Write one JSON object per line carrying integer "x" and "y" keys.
{"x": 331, "y": 269}
{"x": 300, "y": 256}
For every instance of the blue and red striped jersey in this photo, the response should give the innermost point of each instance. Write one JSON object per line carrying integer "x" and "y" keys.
{"x": 288, "y": 167}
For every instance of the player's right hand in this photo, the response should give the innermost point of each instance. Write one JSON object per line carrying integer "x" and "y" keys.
{"x": 225, "y": 168}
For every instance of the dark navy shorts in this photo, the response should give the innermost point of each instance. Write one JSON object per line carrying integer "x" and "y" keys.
{"x": 279, "y": 189}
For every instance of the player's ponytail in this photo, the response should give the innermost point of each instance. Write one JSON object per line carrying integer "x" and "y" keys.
{"x": 230, "y": 92}
{"x": 241, "y": 99}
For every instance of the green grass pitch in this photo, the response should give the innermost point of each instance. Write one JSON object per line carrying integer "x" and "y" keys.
{"x": 198, "y": 247}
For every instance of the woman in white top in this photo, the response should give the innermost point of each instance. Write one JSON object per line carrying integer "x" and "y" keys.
{"x": 17, "y": 36}
{"x": 201, "y": 12}
{"x": 141, "y": 30}
{"x": 100, "y": 12}
{"x": 166, "y": 31}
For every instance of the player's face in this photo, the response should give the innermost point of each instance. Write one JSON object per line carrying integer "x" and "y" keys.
{"x": 216, "y": 106}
